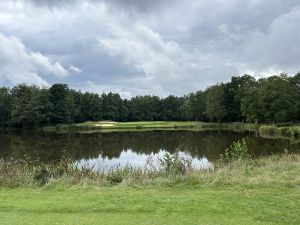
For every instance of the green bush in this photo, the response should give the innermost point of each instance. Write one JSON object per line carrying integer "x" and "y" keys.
{"x": 237, "y": 151}
{"x": 41, "y": 175}
{"x": 174, "y": 164}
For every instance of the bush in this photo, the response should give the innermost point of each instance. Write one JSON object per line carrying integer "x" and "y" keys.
{"x": 41, "y": 175}
{"x": 174, "y": 164}
{"x": 237, "y": 151}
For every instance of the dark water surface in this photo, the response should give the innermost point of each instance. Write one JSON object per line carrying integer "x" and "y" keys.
{"x": 110, "y": 149}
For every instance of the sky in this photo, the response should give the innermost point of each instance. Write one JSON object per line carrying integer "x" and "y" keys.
{"x": 139, "y": 47}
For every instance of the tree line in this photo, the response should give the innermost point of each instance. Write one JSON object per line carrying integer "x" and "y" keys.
{"x": 275, "y": 99}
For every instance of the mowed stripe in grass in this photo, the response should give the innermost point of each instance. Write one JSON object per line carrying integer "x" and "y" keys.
{"x": 185, "y": 205}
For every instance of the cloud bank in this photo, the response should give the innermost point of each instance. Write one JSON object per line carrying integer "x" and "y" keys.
{"x": 146, "y": 47}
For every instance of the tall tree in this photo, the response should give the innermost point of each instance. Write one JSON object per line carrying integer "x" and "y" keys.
{"x": 194, "y": 106}
{"x": 145, "y": 108}
{"x": 215, "y": 97}
{"x": 272, "y": 99}
{"x": 111, "y": 106}
{"x": 280, "y": 99}
{"x": 5, "y": 107}
{"x": 20, "y": 112}
{"x": 234, "y": 91}
{"x": 63, "y": 103}
{"x": 172, "y": 108}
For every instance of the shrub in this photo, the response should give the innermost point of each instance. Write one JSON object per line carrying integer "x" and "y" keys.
{"x": 237, "y": 151}
{"x": 41, "y": 175}
{"x": 174, "y": 164}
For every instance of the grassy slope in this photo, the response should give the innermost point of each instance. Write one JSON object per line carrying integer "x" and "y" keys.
{"x": 228, "y": 205}
{"x": 267, "y": 131}
{"x": 146, "y": 125}
{"x": 265, "y": 191}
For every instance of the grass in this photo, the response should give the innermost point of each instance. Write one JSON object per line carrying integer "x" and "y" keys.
{"x": 108, "y": 126}
{"x": 113, "y": 126}
{"x": 246, "y": 191}
{"x": 268, "y": 131}
{"x": 180, "y": 205}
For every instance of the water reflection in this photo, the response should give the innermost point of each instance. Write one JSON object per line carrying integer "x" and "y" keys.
{"x": 132, "y": 159}
{"x": 130, "y": 146}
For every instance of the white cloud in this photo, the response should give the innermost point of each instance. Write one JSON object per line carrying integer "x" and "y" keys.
{"x": 96, "y": 88}
{"x": 147, "y": 47}
{"x": 164, "y": 65}
{"x": 18, "y": 64}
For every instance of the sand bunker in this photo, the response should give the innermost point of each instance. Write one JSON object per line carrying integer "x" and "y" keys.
{"x": 105, "y": 125}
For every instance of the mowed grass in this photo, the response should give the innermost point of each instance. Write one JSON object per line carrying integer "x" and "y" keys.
{"x": 263, "y": 191}
{"x": 140, "y": 124}
{"x": 203, "y": 205}
{"x": 106, "y": 126}
{"x": 154, "y": 124}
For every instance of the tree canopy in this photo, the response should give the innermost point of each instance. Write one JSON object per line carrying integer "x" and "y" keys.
{"x": 275, "y": 99}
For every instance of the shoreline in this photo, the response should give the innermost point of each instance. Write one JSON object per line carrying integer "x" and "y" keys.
{"x": 264, "y": 130}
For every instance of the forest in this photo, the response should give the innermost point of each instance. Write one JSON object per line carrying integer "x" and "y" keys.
{"x": 274, "y": 99}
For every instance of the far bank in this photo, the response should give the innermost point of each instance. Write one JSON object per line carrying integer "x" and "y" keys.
{"x": 265, "y": 130}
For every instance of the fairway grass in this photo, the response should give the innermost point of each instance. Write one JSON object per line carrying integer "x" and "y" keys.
{"x": 185, "y": 205}
{"x": 267, "y": 131}
{"x": 263, "y": 191}
{"x": 108, "y": 126}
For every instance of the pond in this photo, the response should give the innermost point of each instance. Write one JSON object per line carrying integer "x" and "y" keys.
{"x": 107, "y": 150}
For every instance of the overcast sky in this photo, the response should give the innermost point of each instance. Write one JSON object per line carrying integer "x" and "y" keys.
{"x": 137, "y": 47}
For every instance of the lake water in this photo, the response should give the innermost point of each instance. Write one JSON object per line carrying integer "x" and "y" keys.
{"x": 107, "y": 150}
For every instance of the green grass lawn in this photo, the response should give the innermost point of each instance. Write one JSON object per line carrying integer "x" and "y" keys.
{"x": 261, "y": 191}
{"x": 140, "y": 124}
{"x": 203, "y": 205}
{"x": 106, "y": 126}
{"x": 267, "y": 131}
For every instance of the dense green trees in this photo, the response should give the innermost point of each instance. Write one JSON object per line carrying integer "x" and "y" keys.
{"x": 215, "y": 103}
{"x": 145, "y": 108}
{"x": 5, "y": 106}
{"x": 275, "y": 99}
{"x": 194, "y": 106}
{"x": 172, "y": 109}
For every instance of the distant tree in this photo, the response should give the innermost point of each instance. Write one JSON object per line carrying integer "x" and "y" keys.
{"x": 5, "y": 107}
{"x": 40, "y": 107}
{"x": 90, "y": 107}
{"x": 21, "y": 105}
{"x": 274, "y": 99}
{"x": 280, "y": 99}
{"x": 235, "y": 90}
{"x": 63, "y": 104}
{"x": 252, "y": 106}
{"x": 145, "y": 108}
{"x": 295, "y": 81}
{"x": 194, "y": 106}
{"x": 215, "y": 97}
{"x": 111, "y": 105}
{"x": 171, "y": 108}
{"x": 77, "y": 106}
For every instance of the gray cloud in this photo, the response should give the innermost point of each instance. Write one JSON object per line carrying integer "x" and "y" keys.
{"x": 19, "y": 64}
{"x": 150, "y": 47}
{"x": 139, "y": 5}
{"x": 52, "y": 3}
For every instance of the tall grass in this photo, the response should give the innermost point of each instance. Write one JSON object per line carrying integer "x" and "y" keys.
{"x": 284, "y": 168}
